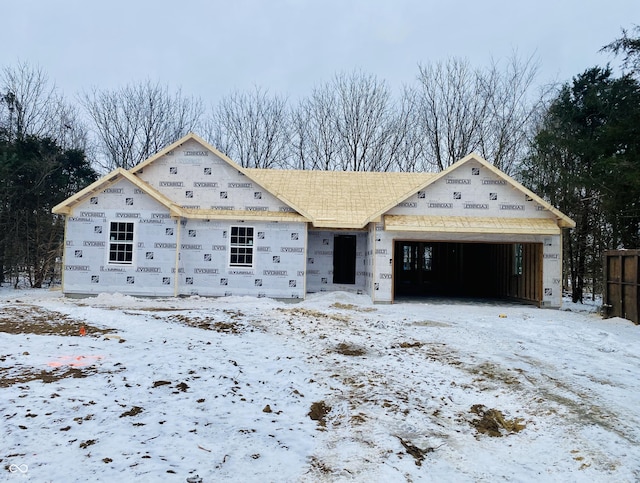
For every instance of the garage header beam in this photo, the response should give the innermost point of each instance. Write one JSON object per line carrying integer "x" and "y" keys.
{"x": 464, "y": 224}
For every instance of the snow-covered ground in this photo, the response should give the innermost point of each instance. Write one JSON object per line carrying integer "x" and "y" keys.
{"x": 329, "y": 389}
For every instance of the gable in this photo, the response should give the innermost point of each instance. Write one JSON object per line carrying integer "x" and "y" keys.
{"x": 111, "y": 184}
{"x": 197, "y": 177}
{"x": 470, "y": 190}
{"x": 473, "y": 188}
{"x": 121, "y": 199}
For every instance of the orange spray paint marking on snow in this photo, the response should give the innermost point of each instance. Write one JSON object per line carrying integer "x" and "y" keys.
{"x": 83, "y": 331}
{"x": 74, "y": 361}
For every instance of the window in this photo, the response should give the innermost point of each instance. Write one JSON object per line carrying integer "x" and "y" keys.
{"x": 121, "y": 243}
{"x": 427, "y": 259}
{"x": 517, "y": 259}
{"x": 411, "y": 253}
{"x": 241, "y": 246}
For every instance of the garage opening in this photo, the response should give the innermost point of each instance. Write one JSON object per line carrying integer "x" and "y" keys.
{"x": 475, "y": 270}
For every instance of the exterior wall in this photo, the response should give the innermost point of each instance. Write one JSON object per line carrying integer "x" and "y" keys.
{"x": 86, "y": 261}
{"x": 320, "y": 261}
{"x": 195, "y": 177}
{"x": 471, "y": 190}
{"x": 202, "y": 248}
{"x": 383, "y": 265}
{"x": 552, "y": 271}
{"x": 279, "y": 260}
{"x": 369, "y": 261}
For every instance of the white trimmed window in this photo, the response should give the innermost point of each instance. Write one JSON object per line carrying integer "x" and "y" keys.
{"x": 241, "y": 246}
{"x": 121, "y": 243}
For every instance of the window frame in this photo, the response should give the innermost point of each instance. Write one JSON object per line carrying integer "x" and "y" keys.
{"x": 518, "y": 258}
{"x": 243, "y": 246}
{"x": 121, "y": 231}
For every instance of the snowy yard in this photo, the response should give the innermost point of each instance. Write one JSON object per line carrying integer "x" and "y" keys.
{"x": 329, "y": 389}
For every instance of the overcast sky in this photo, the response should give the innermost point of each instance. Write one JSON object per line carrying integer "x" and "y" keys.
{"x": 211, "y": 48}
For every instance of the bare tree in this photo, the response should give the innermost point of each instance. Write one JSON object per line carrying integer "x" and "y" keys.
{"x": 511, "y": 112}
{"x": 32, "y": 106}
{"x": 364, "y": 121}
{"x": 134, "y": 122}
{"x": 406, "y": 144}
{"x": 462, "y": 109}
{"x": 251, "y": 128}
{"x": 350, "y": 124}
{"x": 452, "y": 105}
{"x": 313, "y": 129}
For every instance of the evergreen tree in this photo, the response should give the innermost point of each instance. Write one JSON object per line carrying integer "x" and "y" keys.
{"x": 36, "y": 174}
{"x": 585, "y": 161}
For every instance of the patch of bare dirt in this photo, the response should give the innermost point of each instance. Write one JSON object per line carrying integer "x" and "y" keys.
{"x": 491, "y": 372}
{"x": 30, "y": 319}
{"x": 182, "y": 387}
{"x": 86, "y": 444}
{"x": 430, "y": 323}
{"x": 413, "y": 450}
{"x": 161, "y": 383}
{"x": 29, "y": 375}
{"x": 407, "y": 345}
{"x": 314, "y": 314}
{"x": 209, "y": 323}
{"x": 349, "y": 349}
{"x": 134, "y": 411}
{"x": 493, "y": 423}
{"x": 341, "y": 306}
{"x": 318, "y": 412}
{"x": 320, "y": 466}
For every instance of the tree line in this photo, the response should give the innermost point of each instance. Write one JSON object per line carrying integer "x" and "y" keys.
{"x": 574, "y": 144}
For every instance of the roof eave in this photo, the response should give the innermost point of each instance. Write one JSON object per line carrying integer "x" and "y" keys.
{"x": 66, "y": 207}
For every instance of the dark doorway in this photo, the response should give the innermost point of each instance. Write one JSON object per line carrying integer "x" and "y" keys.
{"x": 344, "y": 259}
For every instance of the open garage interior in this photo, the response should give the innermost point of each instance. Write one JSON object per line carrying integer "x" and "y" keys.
{"x": 470, "y": 270}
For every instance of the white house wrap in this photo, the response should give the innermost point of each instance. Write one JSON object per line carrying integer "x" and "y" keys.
{"x": 190, "y": 221}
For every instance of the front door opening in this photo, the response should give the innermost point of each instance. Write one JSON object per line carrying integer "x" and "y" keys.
{"x": 344, "y": 259}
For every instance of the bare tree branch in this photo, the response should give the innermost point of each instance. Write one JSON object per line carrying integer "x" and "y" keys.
{"x": 136, "y": 121}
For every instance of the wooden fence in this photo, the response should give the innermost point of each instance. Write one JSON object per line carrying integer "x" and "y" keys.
{"x": 621, "y": 284}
